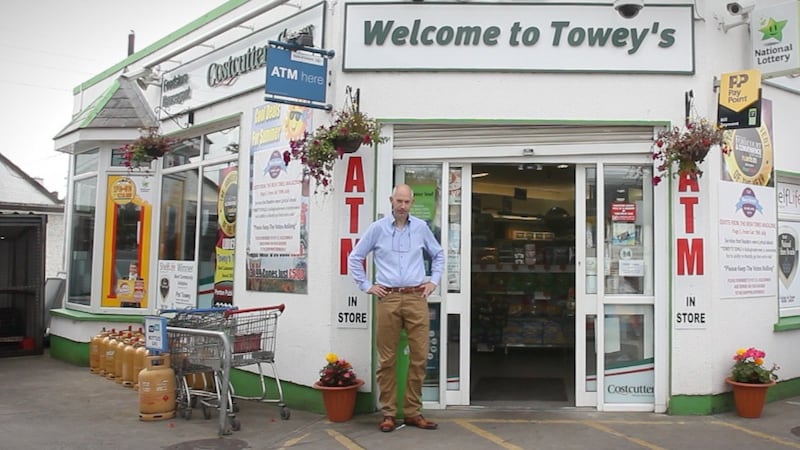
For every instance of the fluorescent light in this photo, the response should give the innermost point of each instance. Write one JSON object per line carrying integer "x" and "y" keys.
{"x": 563, "y": 166}
{"x": 481, "y": 174}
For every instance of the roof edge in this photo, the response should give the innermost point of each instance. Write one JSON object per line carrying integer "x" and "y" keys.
{"x": 205, "y": 19}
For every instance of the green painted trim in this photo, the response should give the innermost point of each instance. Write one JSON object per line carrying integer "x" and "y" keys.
{"x": 82, "y": 316}
{"x": 787, "y": 173}
{"x": 200, "y": 127}
{"x": 295, "y": 396}
{"x": 67, "y": 350}
{"x": 205, "y": 19}
{"x": 699, "y": 405}
{"x": 406, "y": 121}
{"x": 787, "y": 323}
{"x": 103, "y": 101}
{"x": 636, "y": 363}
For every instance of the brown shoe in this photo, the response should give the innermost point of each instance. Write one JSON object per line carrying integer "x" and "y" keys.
{"x": 420, "y": 422}
{"x": 387, "y": 425}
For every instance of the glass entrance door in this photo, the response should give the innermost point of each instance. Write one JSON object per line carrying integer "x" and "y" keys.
{"x": 536, "y": 253}
{"x": 615, "y": 282}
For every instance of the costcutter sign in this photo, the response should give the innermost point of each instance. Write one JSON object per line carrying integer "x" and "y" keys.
{"x": 517, "y": 37}
{"x": 232, "y": 70}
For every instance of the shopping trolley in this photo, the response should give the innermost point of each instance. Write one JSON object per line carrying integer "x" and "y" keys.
{"x": 253, "y": 334}
{"x": 195, "y": 357}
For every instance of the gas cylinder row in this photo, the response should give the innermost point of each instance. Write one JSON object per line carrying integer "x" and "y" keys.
{"x": 118, "y": 355}
{"x": 122, "y": 356}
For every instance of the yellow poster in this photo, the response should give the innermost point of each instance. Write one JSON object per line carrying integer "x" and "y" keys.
{"x": 126, "y": 255}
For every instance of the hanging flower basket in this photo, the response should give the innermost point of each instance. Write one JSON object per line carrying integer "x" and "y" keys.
{"x": 348, "y": 144}
{"x": 151, "y": 145}
{"x": 319, "y": 151}
{"x": 678, "y": 151}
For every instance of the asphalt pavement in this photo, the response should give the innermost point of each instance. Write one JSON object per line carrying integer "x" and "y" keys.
{"x": 50, "y": 404}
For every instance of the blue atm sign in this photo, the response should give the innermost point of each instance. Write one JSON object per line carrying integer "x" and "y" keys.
{"x": 296, "y": 75}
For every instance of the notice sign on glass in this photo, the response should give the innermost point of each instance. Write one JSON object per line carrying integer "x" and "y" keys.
{"x": 155, "y": 334}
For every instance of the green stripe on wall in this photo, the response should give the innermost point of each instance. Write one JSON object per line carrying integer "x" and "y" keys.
{"x": 702, "y": 405}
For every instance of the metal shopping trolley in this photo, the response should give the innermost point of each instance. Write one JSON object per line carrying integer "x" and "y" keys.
{"x": 196, "y": 359}
{"x": 253, "y": 334}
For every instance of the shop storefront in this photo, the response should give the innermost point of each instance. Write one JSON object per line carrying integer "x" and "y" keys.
{"x": 526, "y": 132}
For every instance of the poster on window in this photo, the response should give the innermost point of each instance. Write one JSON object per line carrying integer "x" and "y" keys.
{"x": 126, "y": 260}
{"x": 747, "y": 241}
{"x": 278, "y": 217}
{"x": 226, "y": 236}
{"x": 177, "y": 285}
{"x": 789, "y": 288}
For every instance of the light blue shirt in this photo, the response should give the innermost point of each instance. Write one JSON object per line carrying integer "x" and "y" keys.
{"x": 397, "y": 253}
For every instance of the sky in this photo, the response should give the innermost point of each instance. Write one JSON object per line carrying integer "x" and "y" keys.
{"x": 47, "y": 47}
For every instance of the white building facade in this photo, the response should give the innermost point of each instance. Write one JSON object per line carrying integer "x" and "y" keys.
{"x": 526, "y": 131}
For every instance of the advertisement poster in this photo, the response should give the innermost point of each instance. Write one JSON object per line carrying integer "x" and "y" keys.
{"x": 747, "y": 241}
{"x": 789, "y": 288}
{"x": 177, "y": 285}
{"x": 226, "y": 236}
{"x": 750, "y": 159}
{"x": 279, "y": 195}
{"x": 129, "y": 207}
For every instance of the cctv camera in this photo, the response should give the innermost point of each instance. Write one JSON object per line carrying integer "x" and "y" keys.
{"x": 628, "y": 8}
{"x": 740, "y": 8}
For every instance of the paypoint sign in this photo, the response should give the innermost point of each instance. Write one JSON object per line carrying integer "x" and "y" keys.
{"x": 740, "y": 100}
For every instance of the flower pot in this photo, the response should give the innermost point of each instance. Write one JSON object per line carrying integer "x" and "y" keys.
{"x": 749, "y": 398}
{"x": 340, "y": 402}
{"x": 154, "y": 152}
{"x": 348, "y": 144}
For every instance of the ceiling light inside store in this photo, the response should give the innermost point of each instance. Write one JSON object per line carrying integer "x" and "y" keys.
{"x": 479, "y": 175}
{"x": 563, "y": 166}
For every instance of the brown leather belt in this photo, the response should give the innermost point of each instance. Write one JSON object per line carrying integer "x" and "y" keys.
{"x": 405, "y": 290}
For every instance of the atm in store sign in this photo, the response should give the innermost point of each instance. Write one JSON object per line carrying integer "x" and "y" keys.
{"x": 517, "y": 37}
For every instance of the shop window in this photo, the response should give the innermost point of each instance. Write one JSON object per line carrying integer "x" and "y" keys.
{"x": 178, "y": 216}
{"x": 186, "y": 151}
{"x": 84, "y": 198}
{"x": 629, "y": 231}
{"x": 217, "y": 234}
{"x": 86, "y": 162}
{"x": 788, "y": 260}
{"x": 221, "y": 144}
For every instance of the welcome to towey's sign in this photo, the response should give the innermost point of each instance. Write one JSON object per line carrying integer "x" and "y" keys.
{"x": 512, "y": 37}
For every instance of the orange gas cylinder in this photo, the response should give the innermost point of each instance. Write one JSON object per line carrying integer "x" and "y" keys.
{"x": 111, "y": 350}
{"x": 139, "y": 358}
{"x": 157, "y": 389}
{"x": 101, "y": 353}
{"x": 129, "y": 353}
{"x": 94, "y": 351}
{"x": 119, "y": 356}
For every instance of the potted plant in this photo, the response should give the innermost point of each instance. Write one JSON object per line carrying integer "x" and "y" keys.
{"x": 151, "y": 145}
{"x": 680, "y": 150}
{"x": 318, "y": 151}
{"x": 750, "y": 381}
{"x": 339, "y": 385}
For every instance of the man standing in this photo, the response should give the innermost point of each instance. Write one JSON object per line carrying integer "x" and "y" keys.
{"x": 397, "y": 242}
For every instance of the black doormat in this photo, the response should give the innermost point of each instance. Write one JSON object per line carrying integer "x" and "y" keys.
{"x": 520, "y": 389}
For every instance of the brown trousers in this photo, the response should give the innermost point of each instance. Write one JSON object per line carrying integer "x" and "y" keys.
{"x": 396, "y": 311}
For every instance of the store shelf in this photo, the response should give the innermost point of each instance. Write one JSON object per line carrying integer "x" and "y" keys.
{"x": 521, "y": 268}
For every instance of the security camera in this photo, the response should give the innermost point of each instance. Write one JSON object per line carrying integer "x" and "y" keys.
{"x": 740, "y": 8}
{"x": 628, "y": 8}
